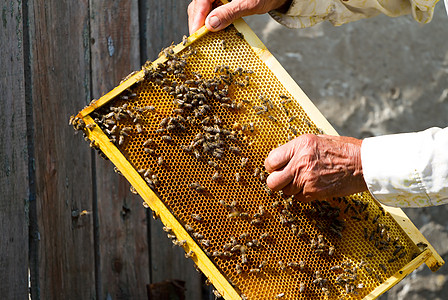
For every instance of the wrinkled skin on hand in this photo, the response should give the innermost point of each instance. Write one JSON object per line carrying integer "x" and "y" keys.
{"x": 316, "y": 167}
{"x": 200, "y": 12}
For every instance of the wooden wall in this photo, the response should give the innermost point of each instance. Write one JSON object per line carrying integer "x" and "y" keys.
{"x": 55, "y": 57}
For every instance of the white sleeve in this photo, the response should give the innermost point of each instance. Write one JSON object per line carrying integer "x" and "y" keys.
{"x": 306, "y": 13}
{"x": 408, "y": 169}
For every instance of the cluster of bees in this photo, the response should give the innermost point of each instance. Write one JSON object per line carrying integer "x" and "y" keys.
{"x": 192, "y": 96}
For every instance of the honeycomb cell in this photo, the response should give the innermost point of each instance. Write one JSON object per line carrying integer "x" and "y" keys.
{"x": 202, "y": 112}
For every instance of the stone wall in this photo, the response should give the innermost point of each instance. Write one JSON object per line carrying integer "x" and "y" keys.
{"x": 372, "y": 77}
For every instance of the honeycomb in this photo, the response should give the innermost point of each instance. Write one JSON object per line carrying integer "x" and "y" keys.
{"x": 197, "y": 129}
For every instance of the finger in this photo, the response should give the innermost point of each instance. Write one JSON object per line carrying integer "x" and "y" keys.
{"x": 224, "y": 15}
{"x": 292, "y": 189}
{"x": 302, "y": 198}
{"x": 197, "y": 12}
{"x": 277, "y": 180}
{"x": 279, "y": 157}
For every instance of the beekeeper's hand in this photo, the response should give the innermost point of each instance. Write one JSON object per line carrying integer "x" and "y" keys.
{"x": 200, "y": 12}
{"x": 316, "y": 167}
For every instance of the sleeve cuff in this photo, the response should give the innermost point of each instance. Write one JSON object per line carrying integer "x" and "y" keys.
{"x": 303, "y": 14}
{"x": 406, "y": 170}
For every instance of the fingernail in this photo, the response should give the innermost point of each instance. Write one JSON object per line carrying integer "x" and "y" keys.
{"x": 214, "y": 21}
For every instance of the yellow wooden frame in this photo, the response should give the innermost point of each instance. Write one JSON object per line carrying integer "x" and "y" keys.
{"x": 429, "y": 256}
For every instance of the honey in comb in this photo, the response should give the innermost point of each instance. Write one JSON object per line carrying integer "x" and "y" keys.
{"x": 360, "y": 237}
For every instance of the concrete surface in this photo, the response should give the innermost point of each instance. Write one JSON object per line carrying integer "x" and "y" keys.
{"x": 372, "y": 77}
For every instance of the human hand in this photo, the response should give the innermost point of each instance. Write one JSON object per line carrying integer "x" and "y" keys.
{"x": 316, "y": 167}
{"x": 199, "y": 12}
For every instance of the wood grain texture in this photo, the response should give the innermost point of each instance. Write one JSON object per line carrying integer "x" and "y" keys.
{"x": 123, "y": 247}
{"x": 13, "y": 157}
{"x": 60, "y": 62}
{"x": 163, "y": 22}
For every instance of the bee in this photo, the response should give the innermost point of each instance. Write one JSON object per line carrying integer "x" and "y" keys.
{"x": 149, "y": 151}
{"x": 264, "y": 235}
{"x": 331, "y": 250}
{"x": 223, "y": 44}
{"x": 256, "y": 172}
{"x": 190, "y": 254}
{"x": 216, "y": 176}
{"x": 235, "y": 150}
{"x": 171, "y": 236}
{"x": 243, "y": 297}
{"x": 263, "y": 264}
{"x": 282, "y": 265}
{"x": 223, "y": 203}
{"x": 402, "y": 254}
{"x": 272, "y": 118}
{"x": 167, "y": 229}
{"x": 239, "y": 269}
{"x": 243, "y": 258}
{"x": 217, "y": 253}
{"x": 145, "y": 205}
{"x": 293, "y": 264}
{"x": 217, "y": 294}
{"x": 184, "y": 40}
{"x": 198, "y": 235}
{"x": 392, "y": 260}
{"x": 188, "y": 228}
{"x": 237, "y": 177}
{"x": 164, "y": 122}
{"x": 160, "y": 161}
{"x": 206, "y": 243}
{"x": 166, "y": 138}
{"x": 180, "y": 243}
{"x": 335, "y": 268}
{"x": 150, "y": 182}
{"x": 262, "y": 177}
{"x": 198, "y": 187}
{"x": 233, "y": 214}
{"x": 235, "y": 248}
{"x": 368, "y": 270}
{"x": 227, "y": 254}
{"x": 378, "y": 278}
{"x": 255, "y": 221}
{"x": 121, "y": 140}
{"x": 243, "y": 236}
{"x": 420, "y": 245}
{"x": 196, "y": 217}
{"x": 244, "y": 161}
{"x": 383, "y": 267}
{"x": 155, "y": 179}
{"x": 375, "y": 219}
{"x": 90, "y": 126}
{"x": 320, "y": 239}
{"x": 302, "y": 287}
{"x": 281, "y": 295}
{"x": 148, "y": 142}
{"x": 255, "y": 270}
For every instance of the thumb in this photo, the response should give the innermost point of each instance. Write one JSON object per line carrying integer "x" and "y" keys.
{"x": 224, "y": 15}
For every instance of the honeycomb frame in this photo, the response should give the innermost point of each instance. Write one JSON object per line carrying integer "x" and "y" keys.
{"x": 226, "y": 285}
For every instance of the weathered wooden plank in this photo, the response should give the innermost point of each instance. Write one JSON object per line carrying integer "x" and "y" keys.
{"x": 123, "y": 247}
{"x": 13, "y": 157}
{"x": 60, "y": 73}
{"x": 163, "y": 22}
